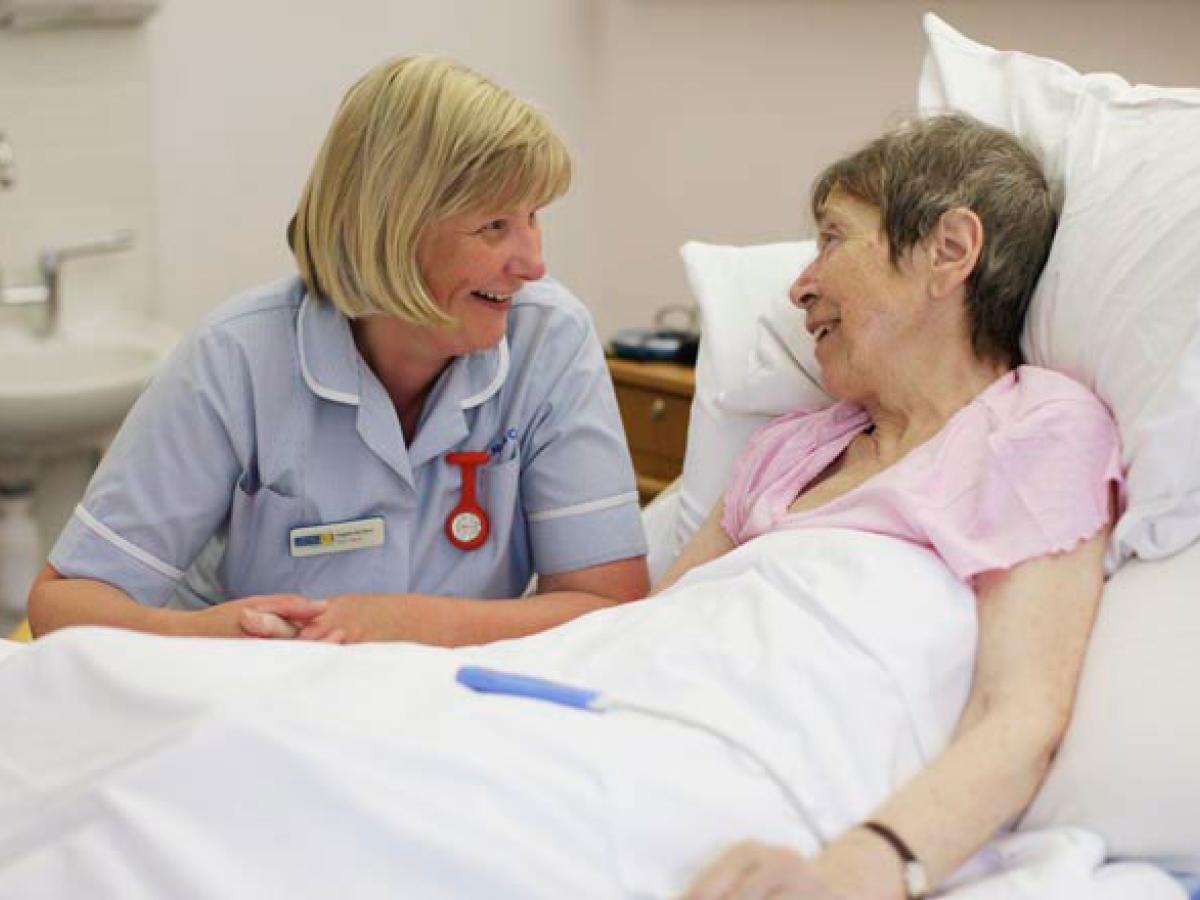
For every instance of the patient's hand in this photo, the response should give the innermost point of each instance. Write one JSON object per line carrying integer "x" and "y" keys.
{"x": 753, "y": 871}
{"x": 275, "y": 615}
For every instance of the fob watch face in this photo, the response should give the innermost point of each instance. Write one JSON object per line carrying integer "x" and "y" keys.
{"x": 466, "y": 526}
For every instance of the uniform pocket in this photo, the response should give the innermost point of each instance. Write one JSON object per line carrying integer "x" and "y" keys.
{"x": 499, "y": 494}
{"x": 257, "y": 557}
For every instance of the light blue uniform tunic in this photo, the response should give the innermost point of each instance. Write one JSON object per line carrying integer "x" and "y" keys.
{"x": 268, "y": 420}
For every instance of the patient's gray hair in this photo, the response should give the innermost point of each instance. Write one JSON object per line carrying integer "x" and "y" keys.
{"x": 929, "y": 166}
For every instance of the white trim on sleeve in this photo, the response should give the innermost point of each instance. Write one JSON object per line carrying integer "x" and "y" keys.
{"x": 581, "y": 508}
{"x": 132, "y": 549}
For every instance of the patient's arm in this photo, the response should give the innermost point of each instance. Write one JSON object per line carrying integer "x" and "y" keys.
{"x": 1034, "y": 622}
{"x": 56, "y": 602}
{"x": 455, "y": 621}
{"x": 709, "y": 542}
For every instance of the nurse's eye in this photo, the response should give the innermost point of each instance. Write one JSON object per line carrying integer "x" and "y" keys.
{"x": 494, "y": 227}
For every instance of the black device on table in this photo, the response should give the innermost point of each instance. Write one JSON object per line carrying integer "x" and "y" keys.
{"x": 661, "y": 343}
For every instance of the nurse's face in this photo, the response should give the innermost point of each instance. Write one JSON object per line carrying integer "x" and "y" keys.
{"x": 472, "y": 264}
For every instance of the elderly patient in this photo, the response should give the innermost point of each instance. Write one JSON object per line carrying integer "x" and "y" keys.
{"x": 931, "y": 239}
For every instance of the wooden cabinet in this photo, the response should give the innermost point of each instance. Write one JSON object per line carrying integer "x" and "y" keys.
{"x": 655, "y": 400}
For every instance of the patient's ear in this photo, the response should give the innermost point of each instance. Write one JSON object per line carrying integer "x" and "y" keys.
{"x": 954, "y": 247}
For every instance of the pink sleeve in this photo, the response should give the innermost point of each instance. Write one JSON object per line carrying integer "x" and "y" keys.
{"x": 1043, "y": 488}
{"x": 746, "y": 480}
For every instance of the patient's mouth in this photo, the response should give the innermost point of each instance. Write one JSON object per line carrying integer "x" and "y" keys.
{"x": 824, "y": 330}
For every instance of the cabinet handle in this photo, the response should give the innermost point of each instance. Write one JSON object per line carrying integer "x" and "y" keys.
{"x": 658, "y": 408}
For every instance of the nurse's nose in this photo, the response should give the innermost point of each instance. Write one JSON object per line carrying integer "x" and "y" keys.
{"x": 804, "y": 289}
{"x": 526, "y": 261}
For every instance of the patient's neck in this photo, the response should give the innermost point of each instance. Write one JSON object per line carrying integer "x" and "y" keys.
{"x": 918, "y": 400}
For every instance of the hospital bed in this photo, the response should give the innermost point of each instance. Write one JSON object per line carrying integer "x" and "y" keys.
{"x": 1125, "y": 785}
{"x": 1118, "y": 308}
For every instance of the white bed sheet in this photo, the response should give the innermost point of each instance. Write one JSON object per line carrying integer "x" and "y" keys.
{"x": 148, "y": 767}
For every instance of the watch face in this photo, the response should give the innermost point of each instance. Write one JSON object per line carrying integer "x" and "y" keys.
{"x": 916, "y": 885}
{"x": 466, "y": 526}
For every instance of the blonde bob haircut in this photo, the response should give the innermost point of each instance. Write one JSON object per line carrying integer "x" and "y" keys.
{"x": 416, "y": 140}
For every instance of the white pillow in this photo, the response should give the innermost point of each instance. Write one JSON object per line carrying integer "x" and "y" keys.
{"x": 753, "y": 351}
{"x": 1128, "y": 767}
{"x": 1118, "y": 305}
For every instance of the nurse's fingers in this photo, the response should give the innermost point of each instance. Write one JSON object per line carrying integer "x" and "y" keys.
{"x": 337, "y": 636}
{"x": 265, "y": 625}
{"x": 289, "y": 606}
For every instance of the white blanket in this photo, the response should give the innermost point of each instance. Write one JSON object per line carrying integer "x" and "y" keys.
{"x": 145, "y": 767}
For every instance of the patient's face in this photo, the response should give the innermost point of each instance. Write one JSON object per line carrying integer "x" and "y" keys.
{"x": 863, "y": 311}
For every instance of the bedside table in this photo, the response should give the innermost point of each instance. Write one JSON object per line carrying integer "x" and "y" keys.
{"x": 655, "y": 399}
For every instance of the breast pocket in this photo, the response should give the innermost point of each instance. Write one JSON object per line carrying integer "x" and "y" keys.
{"x": 257, "y": 558}
{"x": 500, "y": 496}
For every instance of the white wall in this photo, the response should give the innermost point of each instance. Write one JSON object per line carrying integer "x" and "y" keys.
{"x": 717, "y": 114}
{"x": 243, "y": 93}
{"x": 690, "y": 119}
{"x": 74, "y": 106}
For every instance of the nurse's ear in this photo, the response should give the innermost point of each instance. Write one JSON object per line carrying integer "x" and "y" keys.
{"x": 953, "y": 249}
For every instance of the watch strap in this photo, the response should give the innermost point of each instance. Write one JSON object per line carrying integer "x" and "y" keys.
{"x": 916, "y": 882}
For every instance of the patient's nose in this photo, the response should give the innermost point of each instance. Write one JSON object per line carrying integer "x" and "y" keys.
{"x": 804, "y": 288}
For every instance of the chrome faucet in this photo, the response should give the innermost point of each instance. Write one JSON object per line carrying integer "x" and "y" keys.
{"x": 51, "y": 262}
{"x": 8, "y": 172}
{"x": 7, "y": 176}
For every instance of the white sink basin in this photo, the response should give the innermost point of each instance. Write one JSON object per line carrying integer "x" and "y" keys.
{"x": 71, "y": 390}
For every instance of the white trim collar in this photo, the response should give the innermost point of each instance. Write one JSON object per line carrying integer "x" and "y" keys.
{"x": 331, "y": 329}
{"x": 497, "y": 381}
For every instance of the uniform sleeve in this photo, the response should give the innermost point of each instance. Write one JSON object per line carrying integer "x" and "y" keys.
{"x": 1043, "y": 488}
{"x": 577, "y": 484}
{"x": 165, "y": 485}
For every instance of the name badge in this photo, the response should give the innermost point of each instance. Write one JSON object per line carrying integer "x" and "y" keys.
{"x": 339, "y": 537}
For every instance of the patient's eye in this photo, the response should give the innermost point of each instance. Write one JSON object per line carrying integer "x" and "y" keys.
{"x": 826, "y": 238}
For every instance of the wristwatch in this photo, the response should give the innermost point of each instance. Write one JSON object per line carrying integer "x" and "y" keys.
{"x": 916, "y": 882}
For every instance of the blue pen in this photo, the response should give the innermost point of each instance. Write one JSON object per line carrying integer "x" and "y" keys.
{"x": 493, "y": 681}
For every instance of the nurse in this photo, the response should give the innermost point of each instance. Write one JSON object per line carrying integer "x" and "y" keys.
{"x": 391, "y": 444}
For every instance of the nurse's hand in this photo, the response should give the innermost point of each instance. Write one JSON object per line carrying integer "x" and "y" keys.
{"x": 750, "y": 871}
{"x": 276, "y": 615}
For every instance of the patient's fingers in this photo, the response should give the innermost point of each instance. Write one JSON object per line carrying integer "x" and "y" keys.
{"x": 753, "y": 871}
{"x": 718, "y": 879}
{"x": 265, "y": 625}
